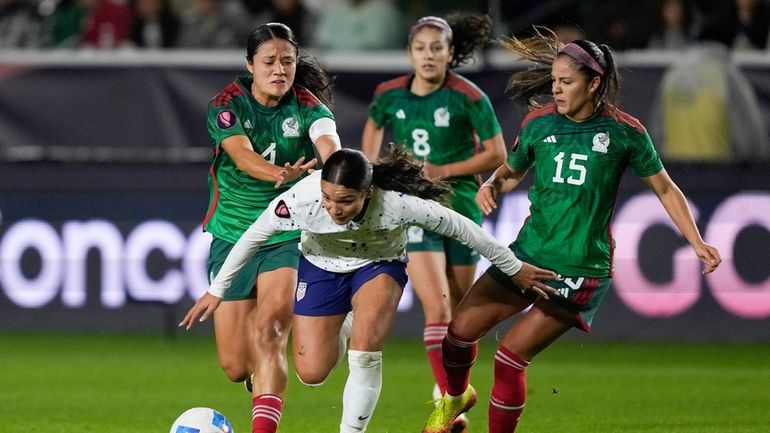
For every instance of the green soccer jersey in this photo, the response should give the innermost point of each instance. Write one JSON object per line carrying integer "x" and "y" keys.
{"x": 279, "y": 134}
{"x": 578, "y": 166}
{"x": 442, "y": 127}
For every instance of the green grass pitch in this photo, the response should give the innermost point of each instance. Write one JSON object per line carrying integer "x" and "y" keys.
{"x": 133, "y": 384}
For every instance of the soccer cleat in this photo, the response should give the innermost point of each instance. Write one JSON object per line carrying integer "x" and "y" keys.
{"x": 443, "y": 417}
{"x": 248, "y": 384}
{"x": 460, "y": 424}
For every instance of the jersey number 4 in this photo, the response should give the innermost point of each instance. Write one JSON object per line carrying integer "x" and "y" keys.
{"x": 269, "y": 153}
{"x": 576, "y": 170}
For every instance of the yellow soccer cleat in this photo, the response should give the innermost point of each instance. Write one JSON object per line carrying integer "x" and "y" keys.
{"x": 443, "y": 417}
{"x": 460, "y": 424}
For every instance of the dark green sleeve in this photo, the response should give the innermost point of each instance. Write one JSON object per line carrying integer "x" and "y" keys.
{"x": 377, "y": 112}
{"x": 644, "y": 159}
{"x": 225, "y": 121}
{"x": 484, "y": 119}
{"x": 521, "y": 157}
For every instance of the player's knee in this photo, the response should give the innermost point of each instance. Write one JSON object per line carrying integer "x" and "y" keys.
{"x": 272, "y": 333}
{"x": 234, "y": 370}
{"x": 312, "y": 378}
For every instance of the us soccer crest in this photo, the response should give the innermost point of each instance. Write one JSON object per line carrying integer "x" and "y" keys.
{"x": 290, "y": 127}
{"x": 441, "y": 117}
{"x": 601, "y": 142}
{"x": 301, "y": 289}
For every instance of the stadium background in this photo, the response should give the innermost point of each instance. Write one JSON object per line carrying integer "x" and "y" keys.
{"x": 103, "y": 163}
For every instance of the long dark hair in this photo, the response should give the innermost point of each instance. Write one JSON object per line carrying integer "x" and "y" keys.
{"x": 395, "y": 171}
{"x": 468, "y": 32}
{"x": 309, "y": 74}
{"x": 530, "y": 85}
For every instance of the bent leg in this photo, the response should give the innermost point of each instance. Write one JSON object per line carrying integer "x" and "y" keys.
{"x": 272, "y": 321}
{"x": 427, "y": 272}
{"x": 485, "y": 305}
{"x": 233, "y": 331}
{"x": 316, "y": 346}
{"x": 539, "y": 327}
{"x": 374, "y": 308}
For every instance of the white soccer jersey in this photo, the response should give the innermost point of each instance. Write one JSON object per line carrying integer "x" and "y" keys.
{"x": 379, "y": 235}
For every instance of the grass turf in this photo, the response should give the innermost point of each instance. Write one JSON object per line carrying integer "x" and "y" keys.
{"x": 132, "y": 384}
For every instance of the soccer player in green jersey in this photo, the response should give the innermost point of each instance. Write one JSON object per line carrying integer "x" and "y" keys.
{"x": 267, "y": 128}
{"x": 449, "y": 123}
{"x": 579, "y": 146}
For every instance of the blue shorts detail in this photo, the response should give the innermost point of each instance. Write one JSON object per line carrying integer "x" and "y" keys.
{"x": 324, "y": 293}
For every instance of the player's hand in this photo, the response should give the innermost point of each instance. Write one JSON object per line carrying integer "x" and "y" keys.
{"x": 530, "y": 279}
{"x": 486, "y": 198}
{"x": 201, "y": 311}
{"x": 434, "y": 172}
{"x": 709, "y": 255}
{"x": 291, "y": 171}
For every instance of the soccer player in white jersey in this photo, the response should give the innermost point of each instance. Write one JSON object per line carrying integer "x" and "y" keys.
{"x": 353, "y": 216}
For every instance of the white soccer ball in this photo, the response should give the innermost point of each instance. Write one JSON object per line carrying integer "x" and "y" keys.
{"x": 201, "y": 420}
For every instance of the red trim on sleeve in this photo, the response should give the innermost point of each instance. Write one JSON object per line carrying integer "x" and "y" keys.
{"x": 623, "y": 117}
{"x": 305, "y": 96}
{"x": 462, "y": 85}
{"x": 396, "y": 83}
{"x": 215, "y": 200}
{"x": 223, "y": 98}
{"x": 539, "y": 112}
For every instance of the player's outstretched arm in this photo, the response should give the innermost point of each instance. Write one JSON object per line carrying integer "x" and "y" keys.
{"x": 675, "y": 203}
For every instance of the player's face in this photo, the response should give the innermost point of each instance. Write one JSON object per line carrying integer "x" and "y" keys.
{"x": 430, "y": 53}
{"x": 273, "y": 68}
{"x": 572, "y": 91}
{"x": 342, "y": 203}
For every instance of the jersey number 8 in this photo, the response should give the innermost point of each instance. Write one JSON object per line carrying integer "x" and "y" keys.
{"x": 420, "y": 142}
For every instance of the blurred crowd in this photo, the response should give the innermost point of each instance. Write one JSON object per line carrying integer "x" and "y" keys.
{"x": 373, "y": 24}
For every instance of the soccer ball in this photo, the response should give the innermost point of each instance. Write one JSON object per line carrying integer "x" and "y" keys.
{"x": 201, "y": 420}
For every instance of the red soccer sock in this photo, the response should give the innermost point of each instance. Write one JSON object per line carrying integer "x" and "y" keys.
{"x": 508, "y": 392}
{"x": 432, "y": 336}
{"x": 459, "y": 357}
{"x": 266, "y": 413}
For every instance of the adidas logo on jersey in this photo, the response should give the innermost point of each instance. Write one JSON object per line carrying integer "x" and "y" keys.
{"x": 247, "y": 124}
{"x": 400, "y": 114}
{"x": 550, "y": 139}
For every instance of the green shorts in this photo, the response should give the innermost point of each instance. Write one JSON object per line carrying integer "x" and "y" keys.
{"x": 456, "y": 253}
{"x": 581, "y": 295}
{"x": 266, "y": 259}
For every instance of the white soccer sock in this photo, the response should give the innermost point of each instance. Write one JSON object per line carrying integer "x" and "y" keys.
{"x": 347, "y": 327}
{"x": 362, "y": 390}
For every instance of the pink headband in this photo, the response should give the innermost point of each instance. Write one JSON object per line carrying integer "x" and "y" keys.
{"x": 434, "y": 22}
{"x": 578, "y": 53}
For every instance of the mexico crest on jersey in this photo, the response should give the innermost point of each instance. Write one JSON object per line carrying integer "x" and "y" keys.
{"x": 290, "y": 127}
{"x": 441, "y": 117}
{"x": 601, "y": 142}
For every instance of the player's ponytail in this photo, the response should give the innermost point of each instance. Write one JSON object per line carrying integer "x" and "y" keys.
{"x": 531, "y": 85}
{"x": 311, "y": 76}
{"x": 395, "y": 171}
{"x": 469, "y": 33}
{"x": 399, "y": 171}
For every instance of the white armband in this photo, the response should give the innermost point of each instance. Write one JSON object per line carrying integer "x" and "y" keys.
{"x": 323, "y": 126}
